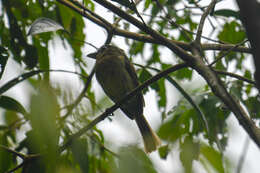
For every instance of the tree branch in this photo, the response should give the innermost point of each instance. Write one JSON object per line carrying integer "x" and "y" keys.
{"x": 110, "y": 110}
{"x": 226, "y": 53}
{"x": 22, "y": 156}
{"x": 27, "y": 75}
{"x": 202, "y": 21}
{"x": 235, "y": 76}
{"x": 146, "y": 38}
{"x": 249, "y": 12}
{"x": 197, "y": 63}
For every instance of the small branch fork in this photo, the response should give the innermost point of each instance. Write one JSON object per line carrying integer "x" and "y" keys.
{"x": 24, "y": 157}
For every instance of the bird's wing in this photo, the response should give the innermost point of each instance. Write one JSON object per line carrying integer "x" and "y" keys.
{"x": 131, "y": 71}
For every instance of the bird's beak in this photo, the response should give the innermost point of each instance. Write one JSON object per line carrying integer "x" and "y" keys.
{"x": 92, "y": 55}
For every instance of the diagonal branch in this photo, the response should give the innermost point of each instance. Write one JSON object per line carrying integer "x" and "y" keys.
{"x": 226, "y": 53}
{"x": 202, "y": 21}
{"x": 249, "y": 12}
{"x": 21, "y": 155}
{"x": 242, "y": 78}
{"x": 110, "y": 110}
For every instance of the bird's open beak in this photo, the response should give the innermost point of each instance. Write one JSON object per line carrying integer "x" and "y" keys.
{"x": 92, "y": 55}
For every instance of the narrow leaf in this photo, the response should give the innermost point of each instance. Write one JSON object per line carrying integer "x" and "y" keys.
{"x": 42, "y": 25}
{"x": 3, "y": 59}
{"x": 227, "y": 13}
{"x": 17, "y": 80}
{"x": 11, "y": 104}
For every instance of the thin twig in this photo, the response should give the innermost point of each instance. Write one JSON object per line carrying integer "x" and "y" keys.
{"x": 202, "y": 21}
{"x": 147, "y": 38}
{"x": 168, "y": 17}
{"x": 235, "y": 76}
{"x": 136, "y": 11}
{"x": 202, "y": 9}
{"x": 226, "y": 53}
{"x": 27, "y": 75}
{"x": 77, "y": 3}
{"x": 21, "y": 155}
{"x": 102, "y": 146}
{"x": 25, "y": 160}
{"x": 82, "y": 11}
{"x": 16, "y": 168}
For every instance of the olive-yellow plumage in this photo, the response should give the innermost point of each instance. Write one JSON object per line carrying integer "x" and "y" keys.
{"x": 117, "y": 77}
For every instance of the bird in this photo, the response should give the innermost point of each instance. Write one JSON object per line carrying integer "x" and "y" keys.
{"x": 116, "y": 75}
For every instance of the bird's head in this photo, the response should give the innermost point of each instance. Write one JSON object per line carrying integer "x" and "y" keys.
{"x": 106, "y": 50}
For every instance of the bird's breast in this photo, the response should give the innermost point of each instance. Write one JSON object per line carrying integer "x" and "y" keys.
{"x": 113, "y": 77}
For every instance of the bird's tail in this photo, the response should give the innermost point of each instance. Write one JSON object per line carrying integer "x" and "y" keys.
{"x": 151, "y": 140}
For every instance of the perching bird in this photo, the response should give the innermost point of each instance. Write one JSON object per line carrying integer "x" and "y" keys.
{"x": 117, "y": 76}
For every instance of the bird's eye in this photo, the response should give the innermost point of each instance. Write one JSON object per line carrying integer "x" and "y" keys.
{"x": 103, "y": 48}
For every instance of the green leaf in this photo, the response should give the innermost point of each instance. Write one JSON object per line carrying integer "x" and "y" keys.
{"x": 6, "y": 158}
{"x": 216, "y": 118}
{"x": 11, "y": 104}
{"x": 164, "y": 151}
{"x": 73, "y": 21}
{"x": 172, "y": 2}
{"x": 136, "y": 48}
{"x": 79, "y": 150}
{"x": 213, "y": 157}
{"x": 190, "y": 100}
{"x": 232, "y": 33}
{"x": 184, "y": 73}
{"x": 134, "y": 160}
{"x": 3, "y": 59}
{"x": 162, "y": 93}
{"x": 184, "y": 93}
{"x": 236, "y": 89}
{"x": 252, "y": 104}
{"x": 189, "y": 152}
{"x": 227, "y": 13}
{"x": 145, "y": 75}
{"x": 155, "y": 57}
{"x": 248, "y": 74}
{"x": 147, "y": 4}
{"x": 175, "y": 128}
{"x": 43, "y": 116}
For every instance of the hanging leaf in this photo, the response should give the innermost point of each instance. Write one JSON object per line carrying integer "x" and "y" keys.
{"x": 42, "y": 25}
{"x": 11, "y": 104}
{"x": 80, "y": 154}
{"x": 3, "y": 59}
